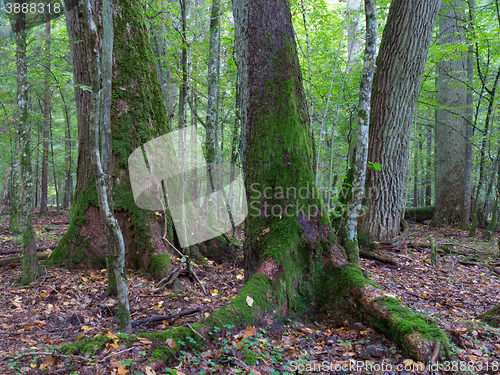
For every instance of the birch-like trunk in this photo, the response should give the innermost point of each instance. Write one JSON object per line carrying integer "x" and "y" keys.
{"x": 400, "y": 65}
{"x": 46, "y": 122}
{"x": 101, "y": 113}
{"x": 363, "y": 117}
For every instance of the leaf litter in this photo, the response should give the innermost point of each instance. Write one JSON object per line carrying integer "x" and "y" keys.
{"x": 65, "y": 306}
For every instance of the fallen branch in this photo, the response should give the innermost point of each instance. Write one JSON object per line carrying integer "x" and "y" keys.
{"x": 372, "y": 300}
{"x": 378, "y": 257}
{"x": 8, "y": 252}
{"x": 19, "y": 259}
{"x": 160, "y": 318}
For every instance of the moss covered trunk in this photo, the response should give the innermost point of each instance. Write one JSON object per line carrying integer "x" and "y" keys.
{"x": 137, "y": 115}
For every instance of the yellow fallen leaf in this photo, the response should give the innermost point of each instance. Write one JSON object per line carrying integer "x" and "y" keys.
{"x": 149, "y": 371}
{"x": 408, "y": 362}
{"x": 33, "y": 365}
{"x": 27, "y": 328}
{"x": 84, "y": 279}
{"x": 160, "y": 304}
{"x": 214, "y": 292}
{"x": 239, "y": 277}
{"x": 80, "y": 336}
{"x": 111, "y": 335}
{"x": 86, "y": 328}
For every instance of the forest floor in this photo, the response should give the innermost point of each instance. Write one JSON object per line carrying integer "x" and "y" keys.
{"x": 65, "y": 306}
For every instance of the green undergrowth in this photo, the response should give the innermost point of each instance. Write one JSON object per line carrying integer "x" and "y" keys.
{"x": 403, "y": 321}
{"x": 86, "y": 346}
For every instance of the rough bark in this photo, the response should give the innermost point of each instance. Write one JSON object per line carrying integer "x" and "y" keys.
{"x": 361, "y": 152}
{"x": 400, "y": 64}
{"x": 450, "y": 116}
{"x": 30, "y": 262}
{"x": 137, "y": 115}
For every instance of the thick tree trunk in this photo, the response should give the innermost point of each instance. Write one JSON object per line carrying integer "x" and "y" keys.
{"x": 400, "y": 64}
{"x": 450, "y": 116}
{"x": 137, "y": 115}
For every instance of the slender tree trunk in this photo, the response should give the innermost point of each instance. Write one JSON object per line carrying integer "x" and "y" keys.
{"x": 353, "y": 42}
{"x": 363, "y": 117}
{"x": 400, "y": 64}
{"x": 212, "y": 121}
{"x": 5, "y": 186}
{"x": 467, "y": 185}
{"x": 183, "y": 91}
{"x": 101, "y": 114}
{"x": 428, "y": 180}
{"x": 482, "y": 161}
{"x": 15, "y": 196}
{"x": 450, "y": 116}
{"x": 46, "y": 122}
{"x": 30, "y": 260}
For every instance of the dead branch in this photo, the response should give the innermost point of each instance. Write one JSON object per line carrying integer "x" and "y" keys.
{"x": 378, "y": 257}
{"x": 160, "y": 318}
{"x": 19, "y": 259}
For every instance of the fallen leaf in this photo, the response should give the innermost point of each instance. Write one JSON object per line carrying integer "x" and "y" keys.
{"x": 249, "y": 301}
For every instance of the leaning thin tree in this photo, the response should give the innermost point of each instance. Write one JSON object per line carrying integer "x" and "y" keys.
{"x": 100, "y": 116}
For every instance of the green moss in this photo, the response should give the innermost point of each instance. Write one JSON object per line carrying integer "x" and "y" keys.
{"x": 71, "y": 248}
{"x": 159, "y": 265}
{"x": 87, "y": 345}
{"x": 249, "y": 357}
{"x": 238, "y": 312}
{"x": 338, "y": 281}
{"x": 403, "y": 321}
{"x": 182, "y": 337}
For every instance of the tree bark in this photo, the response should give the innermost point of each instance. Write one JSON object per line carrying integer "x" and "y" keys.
{"x": 469, "y": 133}
{"x": 400, "y": 64}
{"x": 451, "y": 122}
{"x": 137, "y": 115}
{"x": 212, "y": 122}
{"x": 30, "y": 260}
{"x": 46, "y": 122}
{"x": 361, "y": 152}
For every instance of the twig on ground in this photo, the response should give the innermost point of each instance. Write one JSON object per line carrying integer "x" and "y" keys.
{"x": 197, "y": 333}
